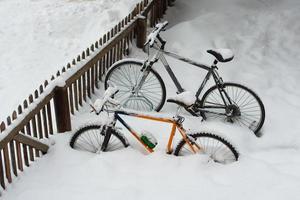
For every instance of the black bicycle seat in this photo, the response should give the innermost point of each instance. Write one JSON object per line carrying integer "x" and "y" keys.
{"x": 222, "y": 55}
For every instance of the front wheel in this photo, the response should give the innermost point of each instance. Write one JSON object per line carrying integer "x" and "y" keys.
{"x": 91, "y": 138}
{"x": 243, "y": 107}
{"x": 149, "y": 95}
{"x": 217, "y": 148}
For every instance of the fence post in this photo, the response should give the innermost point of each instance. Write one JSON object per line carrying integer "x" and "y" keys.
{"x": 141, "y": 31}
{"x": 62, "y": 112}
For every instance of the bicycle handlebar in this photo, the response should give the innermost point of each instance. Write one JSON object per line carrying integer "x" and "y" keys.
{"x": 107, "y": 98}
{"x": 155, "y": 33}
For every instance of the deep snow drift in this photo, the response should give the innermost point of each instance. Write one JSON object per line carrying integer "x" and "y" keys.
{"x": 264, "y": 35}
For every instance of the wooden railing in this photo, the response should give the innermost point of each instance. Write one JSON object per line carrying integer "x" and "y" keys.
{"x": 48, "y": 110}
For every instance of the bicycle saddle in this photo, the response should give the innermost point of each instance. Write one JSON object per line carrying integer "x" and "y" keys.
{"x": 184, "y": 99}
{"x": 222, "y": 55}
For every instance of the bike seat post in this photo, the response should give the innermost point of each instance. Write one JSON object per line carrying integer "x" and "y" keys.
{"x": 178, "y": 111}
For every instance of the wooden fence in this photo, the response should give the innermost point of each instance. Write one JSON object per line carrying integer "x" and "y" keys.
{"x": 48, "y": 109}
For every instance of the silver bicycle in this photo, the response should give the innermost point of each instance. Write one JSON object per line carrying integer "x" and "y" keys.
{"x": 142, "y": 88}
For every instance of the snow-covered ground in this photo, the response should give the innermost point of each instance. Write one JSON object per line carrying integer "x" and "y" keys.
{"x": 264, "y": 34}
{"x": 39, "y": 37}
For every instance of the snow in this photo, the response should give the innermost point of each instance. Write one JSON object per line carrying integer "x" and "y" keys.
{"x": 264, "y": 34}
{"x": 38, "y": 37}
{"x": 187, "y": 98}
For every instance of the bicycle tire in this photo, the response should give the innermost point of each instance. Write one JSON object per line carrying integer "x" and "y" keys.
{"x": 151, "y": 96}
{"x": 89, "y": 138}
{"x": 247, "y": 111}
{"x": 221, "y": 148}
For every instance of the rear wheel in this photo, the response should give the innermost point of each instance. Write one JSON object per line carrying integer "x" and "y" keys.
{"x": 126, "y": 75}
{"x": 245, "y": 109}
{"x": 217, "y": 148}
{"x": 91, "y": 138}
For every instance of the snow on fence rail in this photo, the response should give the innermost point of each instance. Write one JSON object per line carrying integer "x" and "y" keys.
{"x": 48, "y": 109}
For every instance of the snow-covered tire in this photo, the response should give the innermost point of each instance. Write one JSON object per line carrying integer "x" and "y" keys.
{"x": 90, "y": 138}
{"x": 216, "y": 147}
{"x": 153, "y": 90}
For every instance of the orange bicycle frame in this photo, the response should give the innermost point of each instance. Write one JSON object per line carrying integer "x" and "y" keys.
{"x": 176, "y": 125}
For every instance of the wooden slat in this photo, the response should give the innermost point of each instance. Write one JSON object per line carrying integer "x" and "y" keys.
{"x": 97, "y": 74}
{"x": 104, "y": 64}
{"x": 49, "y": 118}
{"x": 39, "y": 125}
{"x": 43, "y": 112}
{"x": 2, "y": 179}
{"x": 93, "y": 79}
{"x": 19, "y": 156}
{"x": 70, "y": 89}
{"x": 107, "y": 59}
{"x": 34, "y": 126}
{"x": 11, "y": 145}
{"x": 38, "y": 117}
{"x": 34, "y": 131}
{"x": 25, "y": 154}
{"x": 84, "y": 86}
{"x": 115, "y": 53}
{"x": 7, "y": 164}
{"x": 88, "y": 73}
{"x": 75, "y": 95}
{"x": 28, "y": 131}
{"x": 118, "y": 51}
{"x": 80, "y": 91}
{"x": 2, "y": 127}
{"x": 45, "y": 122}
{"x": 32, "y": 142}
{"x": 18, "y": 145}
{"x": 100, "y": 69}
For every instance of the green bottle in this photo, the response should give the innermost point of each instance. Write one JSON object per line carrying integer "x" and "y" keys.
{"x": 148, "y": 139}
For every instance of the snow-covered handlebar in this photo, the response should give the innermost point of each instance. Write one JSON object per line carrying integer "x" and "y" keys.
{"x": 155, "y": 33}
{"x": 107, "y": 98}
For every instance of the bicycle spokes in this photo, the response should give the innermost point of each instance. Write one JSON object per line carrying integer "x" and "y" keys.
{"x": 140, "y": 102}
{"x": 138, "y": 89}
{"x": 241, "y": 106}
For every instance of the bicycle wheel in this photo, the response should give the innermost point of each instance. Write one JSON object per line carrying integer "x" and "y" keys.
{"x": 217, "y": 148}
{"x": 126, "y": 76}
{"x": 90, "y": 138}
{"x": 245, "y": 109}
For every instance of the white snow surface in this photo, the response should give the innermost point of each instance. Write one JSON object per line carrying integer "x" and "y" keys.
{"x": 264, "y": 34}
{"x": 39, "y": 37}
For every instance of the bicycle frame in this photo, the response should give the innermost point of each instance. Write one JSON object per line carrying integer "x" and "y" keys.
{"x": 212, "y": 71}
{"x": 176, "y": 125}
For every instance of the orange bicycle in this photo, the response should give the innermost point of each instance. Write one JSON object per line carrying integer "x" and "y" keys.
{"x": 106, "y": 137}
